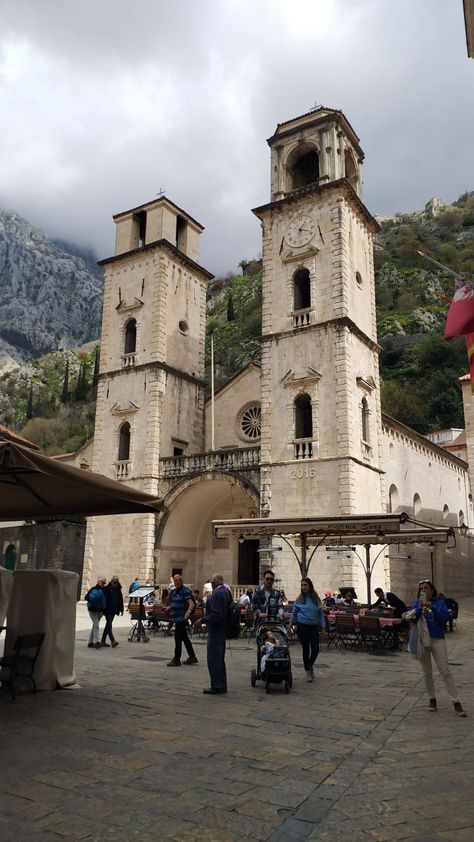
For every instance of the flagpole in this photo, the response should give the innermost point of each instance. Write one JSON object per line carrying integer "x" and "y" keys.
{"x": 445, "y": 268}
{"x": 212, "y": 394}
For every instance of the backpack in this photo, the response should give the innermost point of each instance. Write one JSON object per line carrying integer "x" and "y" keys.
{"x": 233, "y": 619}
{"x": 95, "y": 600}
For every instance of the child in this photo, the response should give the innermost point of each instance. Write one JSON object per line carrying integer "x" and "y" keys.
{"x": 269, "y": 643}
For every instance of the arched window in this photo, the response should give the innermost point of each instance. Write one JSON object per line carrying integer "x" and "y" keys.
{"x": 350, "y": 168}
{"x": 302, "y": 289}
{"x": 460, "y": 518}
{"x": 445, "y": 511}
{"x": 416, "y": 505}
{"x": 124, "y": 442}
{"x": 365, "y": 413}
{"x": 392, "y": 499}
{"x": 10, "y": 557}
{"x": 303, "y": 417}
{"x": 130, "y": 337}
{"x": 303, "y": 166}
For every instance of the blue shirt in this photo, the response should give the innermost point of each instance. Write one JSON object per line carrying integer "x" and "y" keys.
{"x": 308, "y": 613}
{"x": 437, "y": 618}
{"x": 179, "y": 603}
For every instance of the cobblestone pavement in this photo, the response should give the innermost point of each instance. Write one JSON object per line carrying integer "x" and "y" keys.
{"x": 139, "y": 752}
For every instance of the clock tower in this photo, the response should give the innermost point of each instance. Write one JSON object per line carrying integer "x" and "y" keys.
{"x": 321, "y": 422}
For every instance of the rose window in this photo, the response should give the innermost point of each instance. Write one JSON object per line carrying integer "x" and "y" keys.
{"x": 251, "y": 422}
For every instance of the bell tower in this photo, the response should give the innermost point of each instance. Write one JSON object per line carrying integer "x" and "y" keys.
{"x": 150, "y": 397}
{"x": 321, "y": 422}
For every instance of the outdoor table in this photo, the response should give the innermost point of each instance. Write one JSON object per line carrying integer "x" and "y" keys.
{"x": 384, "y": 621}
{"x": 138, "y": 631}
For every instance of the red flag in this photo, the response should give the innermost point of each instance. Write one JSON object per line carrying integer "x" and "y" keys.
{"x": 460, "y": 319}
{"x": 470, "y": 354}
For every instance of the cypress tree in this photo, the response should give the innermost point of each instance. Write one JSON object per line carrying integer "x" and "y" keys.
{"x": 29, "y": 408}
{"x": 65, "y": 391}
{"x": 95, "y": 375}
{"x": 77, "y": 393}
{"x": 230, "y": 308}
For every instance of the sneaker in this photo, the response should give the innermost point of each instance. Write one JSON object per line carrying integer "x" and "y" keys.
{"x": 433, "y": 707}
{"x": 190, "y": 661}
{"x": 97, "y": 645}
{"x": 104, "y": 643}
{"x": 459, "y": 709}
{"x": 174, "y": 663}
{"x": 91, "y": 645}
{"x": 309, "y": 675}
{"x": 114, "y": 643}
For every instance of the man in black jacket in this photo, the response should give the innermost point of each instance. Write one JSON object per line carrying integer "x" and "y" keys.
{"x": 216, "y": 621}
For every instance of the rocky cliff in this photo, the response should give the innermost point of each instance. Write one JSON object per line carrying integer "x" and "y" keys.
{"x": 48, "y": 297}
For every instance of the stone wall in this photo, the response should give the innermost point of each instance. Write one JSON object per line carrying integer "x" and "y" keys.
{"x": 58, "y": 545}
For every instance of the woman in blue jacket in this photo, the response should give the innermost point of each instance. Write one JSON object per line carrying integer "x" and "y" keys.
{"x": 308, "y": 616}
{"x": 436, "y": 614}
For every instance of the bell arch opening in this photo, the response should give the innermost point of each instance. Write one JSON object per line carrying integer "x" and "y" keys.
{"x": 302, "y": 166}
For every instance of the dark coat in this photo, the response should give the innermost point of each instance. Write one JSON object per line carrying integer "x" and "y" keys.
{"x": 113, "y": 599}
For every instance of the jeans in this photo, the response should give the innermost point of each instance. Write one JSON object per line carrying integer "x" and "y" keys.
{"x": 95, "y": 617}
{"x": 180, "y": 637}
{"x": 439, "y": 653}
{"x": 216, "y": 659}
{"x": 309, "y": 639}
{"x": 109, "y": 618}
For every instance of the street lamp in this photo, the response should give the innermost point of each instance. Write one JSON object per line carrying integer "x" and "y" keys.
{"x": 431, "y": 546}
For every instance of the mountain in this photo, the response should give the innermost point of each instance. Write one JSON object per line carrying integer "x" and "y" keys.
{"x": 49, "y": 298}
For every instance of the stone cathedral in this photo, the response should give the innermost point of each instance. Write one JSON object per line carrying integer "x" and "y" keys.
{"x": 300, "y": 435}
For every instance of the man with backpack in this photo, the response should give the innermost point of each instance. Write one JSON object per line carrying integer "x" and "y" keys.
{"x": 216, "y": 619}
{"x": 96, "y": 605}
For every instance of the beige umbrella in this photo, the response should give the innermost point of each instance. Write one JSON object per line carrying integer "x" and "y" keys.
{"x": 33, "y": 486}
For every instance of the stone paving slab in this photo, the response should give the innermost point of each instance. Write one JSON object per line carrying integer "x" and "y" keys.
{"x": 139, "y": 752}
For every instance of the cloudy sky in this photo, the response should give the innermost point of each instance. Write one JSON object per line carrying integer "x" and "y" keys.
{"x": 104, "y": 102}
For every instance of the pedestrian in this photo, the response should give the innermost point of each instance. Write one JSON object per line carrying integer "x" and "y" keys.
{"x": 245, "y": 600}
{"x": 435, "y": 611}
{"x": 96, "y": 606}
{"x": 308, "y": 616}
{"x": 216, "y": 620}
{"x": 113, "y": 607}
{"x": 398, "y": 609}
{"x": 134, "y": 585}
{"x": 182, "y": 606}
{"x": 267, "y": 603}
{"x": 381, "y": 601}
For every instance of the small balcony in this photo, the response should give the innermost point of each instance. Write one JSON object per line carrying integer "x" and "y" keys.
{"x": 240, "y": 459}
{"x": 129, "y": 360}
{"x": 303, "y": 448}
{"x": 302, "y": 318}
{"x": 123, "y": 469}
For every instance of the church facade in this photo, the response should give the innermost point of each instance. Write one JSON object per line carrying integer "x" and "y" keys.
{"x": 302, "y": 434}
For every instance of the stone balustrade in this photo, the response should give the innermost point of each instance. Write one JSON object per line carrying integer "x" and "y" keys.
{"x": 239, "y": 459}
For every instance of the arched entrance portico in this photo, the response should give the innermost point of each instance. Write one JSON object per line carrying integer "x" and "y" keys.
{"x": 184, "y": 536}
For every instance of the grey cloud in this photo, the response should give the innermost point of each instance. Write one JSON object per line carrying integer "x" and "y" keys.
{"x": 112, "y": 101}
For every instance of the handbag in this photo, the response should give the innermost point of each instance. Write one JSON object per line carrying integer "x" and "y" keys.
{"x": 419, "y": 639}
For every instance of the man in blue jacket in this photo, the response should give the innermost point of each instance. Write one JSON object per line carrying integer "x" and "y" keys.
{"x": 216, "y": 621}
{"x": 96, "y": 605}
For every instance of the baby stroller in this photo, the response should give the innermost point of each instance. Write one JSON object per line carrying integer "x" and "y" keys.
{"x": 277, "y": 662}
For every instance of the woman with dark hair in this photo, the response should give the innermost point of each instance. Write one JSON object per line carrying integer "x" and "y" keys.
{"x": 308, "y": 616}
{"x": 435, "y": 611}
{"x": 114, "y": 606}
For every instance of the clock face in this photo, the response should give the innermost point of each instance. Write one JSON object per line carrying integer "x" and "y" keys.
{"x": 300, "y": 231}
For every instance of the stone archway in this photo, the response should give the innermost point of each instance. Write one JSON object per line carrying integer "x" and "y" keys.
{"x": 184, "y": 535}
